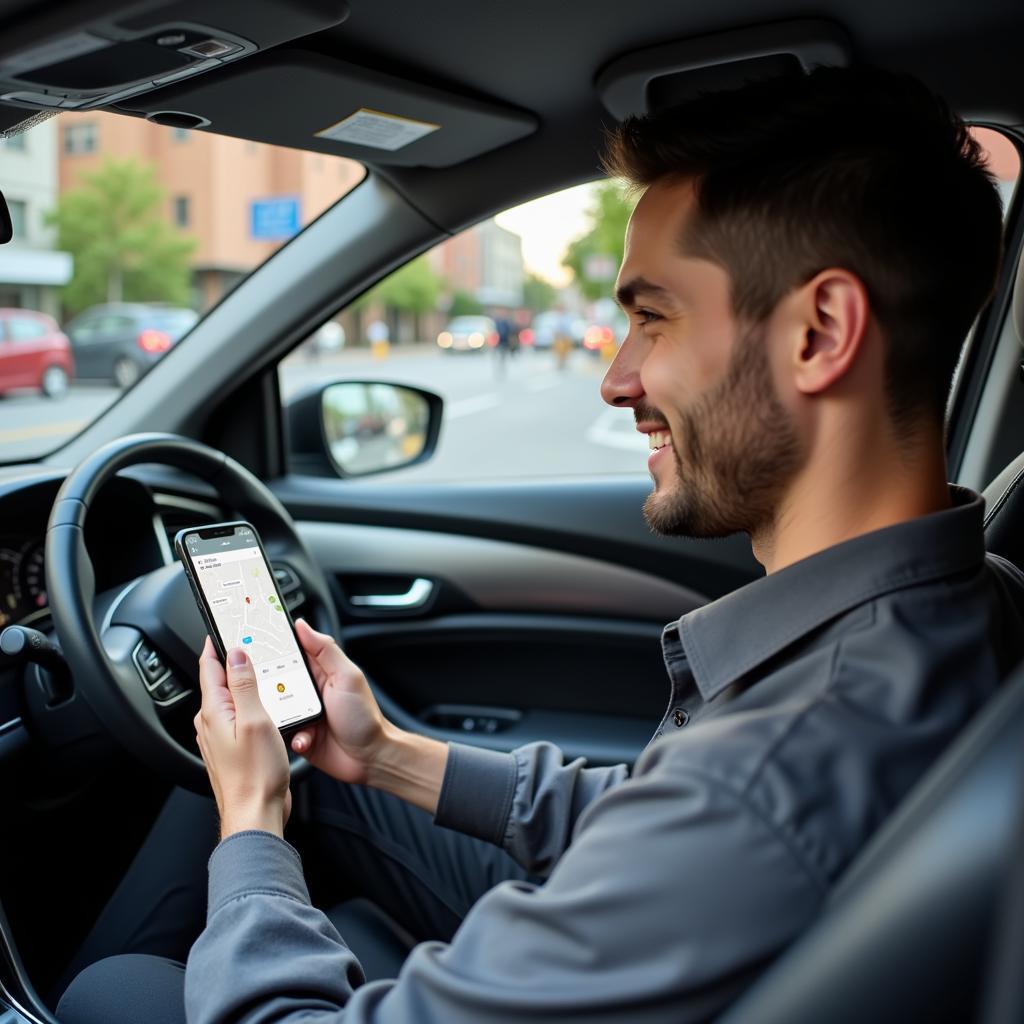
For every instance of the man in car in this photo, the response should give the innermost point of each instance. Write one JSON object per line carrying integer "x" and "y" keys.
{"x": 807, "y": 256}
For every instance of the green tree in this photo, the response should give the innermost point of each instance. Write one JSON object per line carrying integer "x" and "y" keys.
{"x": 608, "y": 214}
{"x": 538, "y": 295}
{"x": 124, "y": 250}
{"x": 414, "y": 288}
{"x": 463, "y": 304}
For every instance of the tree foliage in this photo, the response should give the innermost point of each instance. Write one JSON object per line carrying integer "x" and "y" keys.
{"x": 415, "y": 288}
{"x": 608, "y": 214}
{"x": 538, "y": 295}
{"x": 124, "y": 249}
{"x": 463, "y": 304}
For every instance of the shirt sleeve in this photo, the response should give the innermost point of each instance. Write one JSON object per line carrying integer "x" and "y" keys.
{"x": 674, "y": 894}
{"x": 527, "y": 801}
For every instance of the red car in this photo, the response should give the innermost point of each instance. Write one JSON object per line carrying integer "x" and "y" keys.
{"x": 34, "y": 353}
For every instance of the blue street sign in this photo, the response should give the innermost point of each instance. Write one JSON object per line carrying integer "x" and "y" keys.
{"x": 272, "y": 220}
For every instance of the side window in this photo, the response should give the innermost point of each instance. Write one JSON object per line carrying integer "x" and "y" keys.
{"x": 82, "y": 330}
{"x": 112, "y": 323}
{"x": 21, "y": 328}
{"x": 512, "y": 323}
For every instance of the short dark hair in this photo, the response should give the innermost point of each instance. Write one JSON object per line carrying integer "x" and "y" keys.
{"x": 856, "y": 168}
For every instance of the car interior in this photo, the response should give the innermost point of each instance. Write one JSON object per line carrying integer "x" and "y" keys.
{"x": 490, "y": 611}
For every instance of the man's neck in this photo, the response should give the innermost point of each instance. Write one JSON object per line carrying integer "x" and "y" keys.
{"x": 836, "y": 499}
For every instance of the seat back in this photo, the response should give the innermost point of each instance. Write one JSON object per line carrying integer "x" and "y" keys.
{"x": 1004, "y": 513}
{"x": 905, "y": 935}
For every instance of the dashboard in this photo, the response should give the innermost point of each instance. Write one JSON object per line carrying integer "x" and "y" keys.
{"x": 126, "y": 533}
{"x": 22, "y": 579}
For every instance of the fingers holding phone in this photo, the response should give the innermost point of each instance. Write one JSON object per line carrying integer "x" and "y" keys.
{"x": 348, "y": 739}
{"x": 242, "y": 748}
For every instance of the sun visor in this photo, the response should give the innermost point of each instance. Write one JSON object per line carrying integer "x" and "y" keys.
{"x": 661, "y": 76}
{"x": 309, "y": 101}
{"x": 91, "y": 59}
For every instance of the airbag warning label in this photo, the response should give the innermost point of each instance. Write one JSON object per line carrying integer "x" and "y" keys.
{"x": 377, "y": 130}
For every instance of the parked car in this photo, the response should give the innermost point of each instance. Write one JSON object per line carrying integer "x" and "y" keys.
{"x": 119, "y": 342}
{"x": 34, "y": 353}
{"x": 468, "y": 334}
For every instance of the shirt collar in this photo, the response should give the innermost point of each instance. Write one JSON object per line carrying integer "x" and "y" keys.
{"x": 729, "y": 637}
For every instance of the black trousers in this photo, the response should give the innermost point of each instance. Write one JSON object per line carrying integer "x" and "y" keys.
{"x": 355, "y": 842}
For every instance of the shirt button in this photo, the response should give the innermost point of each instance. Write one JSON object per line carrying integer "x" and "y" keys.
{"x": 680, "y": 716}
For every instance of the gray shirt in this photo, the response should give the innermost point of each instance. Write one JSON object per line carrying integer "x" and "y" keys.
{"x": 803, "y": 707}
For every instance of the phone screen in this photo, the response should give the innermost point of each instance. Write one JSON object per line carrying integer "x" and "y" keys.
{"x": 247, "y": 610}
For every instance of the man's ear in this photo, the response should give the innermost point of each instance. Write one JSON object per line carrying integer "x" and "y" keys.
{"x": 834, "y": 309}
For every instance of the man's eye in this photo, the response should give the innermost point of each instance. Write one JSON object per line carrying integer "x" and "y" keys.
{"x": 646, "y": 316}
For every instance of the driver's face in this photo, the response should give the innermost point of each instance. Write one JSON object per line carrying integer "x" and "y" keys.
{"x": 699, "y": 383}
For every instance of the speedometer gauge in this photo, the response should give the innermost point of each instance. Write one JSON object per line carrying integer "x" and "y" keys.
{"x": 10, "y": 604}
{"x": 33, "y": 577}
{"x": 22, "y": 580}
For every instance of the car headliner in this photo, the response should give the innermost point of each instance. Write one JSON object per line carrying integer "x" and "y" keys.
{"x": 542, "y": 58}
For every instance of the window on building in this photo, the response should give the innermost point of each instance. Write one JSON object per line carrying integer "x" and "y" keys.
{"x": 82, "y": 137}
{"x": 19, "y": 218}
{"x": 181, "y": 211}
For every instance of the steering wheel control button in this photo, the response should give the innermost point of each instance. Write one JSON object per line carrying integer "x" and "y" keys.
{"x": 150, "y": 665}
{"x": 168, "y": 691}
{"x": 285, "y": 577}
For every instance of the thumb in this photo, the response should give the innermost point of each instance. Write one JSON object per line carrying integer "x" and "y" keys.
{"x": 242, "y": 682}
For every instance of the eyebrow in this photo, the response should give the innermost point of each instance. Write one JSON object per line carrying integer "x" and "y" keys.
{"x": 626, "y": 294}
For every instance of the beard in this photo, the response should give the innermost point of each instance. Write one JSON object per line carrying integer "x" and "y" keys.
{"x": 739, "y": 452}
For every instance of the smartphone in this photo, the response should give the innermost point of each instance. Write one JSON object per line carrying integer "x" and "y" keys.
{"x": 237, "y": 593}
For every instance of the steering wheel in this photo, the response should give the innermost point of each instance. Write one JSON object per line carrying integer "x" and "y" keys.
{"x": 133, "y": 652}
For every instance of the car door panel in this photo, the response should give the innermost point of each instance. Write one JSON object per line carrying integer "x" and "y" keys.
{"x": 546, "y": 604}
{"x": 596, "y": 517}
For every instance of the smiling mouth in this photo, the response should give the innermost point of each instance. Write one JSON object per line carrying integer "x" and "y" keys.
{"x": 658, "y": 439}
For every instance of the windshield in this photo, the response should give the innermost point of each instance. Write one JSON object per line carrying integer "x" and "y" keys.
{"x": 125, "y": 233}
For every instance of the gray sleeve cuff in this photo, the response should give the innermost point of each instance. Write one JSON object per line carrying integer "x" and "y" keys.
{"x": 476, "y": 794}
{"x": 254, "y": 861}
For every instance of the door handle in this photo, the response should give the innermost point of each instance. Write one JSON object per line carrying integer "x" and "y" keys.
{"x": 415, "y": 597}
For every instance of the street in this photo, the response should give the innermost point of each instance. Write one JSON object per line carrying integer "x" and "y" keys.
{"x": 520, "y": 418}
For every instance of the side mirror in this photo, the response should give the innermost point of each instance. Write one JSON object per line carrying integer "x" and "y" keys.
{"x": 357, "y": 428}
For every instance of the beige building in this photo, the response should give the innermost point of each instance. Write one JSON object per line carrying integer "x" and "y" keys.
{"x": 211, "y": 183}
{"x": 484, "y": 262}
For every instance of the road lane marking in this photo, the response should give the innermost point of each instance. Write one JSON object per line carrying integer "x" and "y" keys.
{"x": 468, "y": 406}
{"x": 615, "y": 428}
{"x": 41, "y": 430}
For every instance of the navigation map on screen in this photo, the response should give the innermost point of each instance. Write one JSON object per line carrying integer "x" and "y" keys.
{"x": 243, "y": 599}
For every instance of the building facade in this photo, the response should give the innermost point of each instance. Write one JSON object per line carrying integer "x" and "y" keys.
{"x": 31, "y": 270}
{"x": 240, "y": 200}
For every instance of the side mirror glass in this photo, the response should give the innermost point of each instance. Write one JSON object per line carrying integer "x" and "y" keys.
{"x": 355, "y": 428}
{"x": 372, "y": 427}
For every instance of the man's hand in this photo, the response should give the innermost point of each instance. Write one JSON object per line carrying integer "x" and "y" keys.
{"x": 243, "y": 750}
{"x": 347, "y": 741}
{"x": 354, "y": 742}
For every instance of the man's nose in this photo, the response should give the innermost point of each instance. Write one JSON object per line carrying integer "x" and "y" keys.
{"x": 621, "y": 386}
